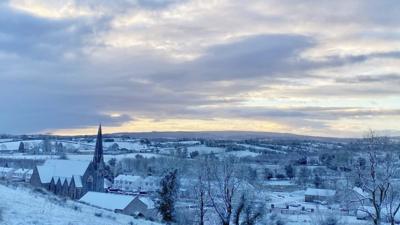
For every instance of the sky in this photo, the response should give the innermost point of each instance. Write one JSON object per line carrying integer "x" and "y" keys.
{"x": 326, "y": 68}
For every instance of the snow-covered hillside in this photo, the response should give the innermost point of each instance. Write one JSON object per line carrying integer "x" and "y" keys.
{"x": 22, "y": 206}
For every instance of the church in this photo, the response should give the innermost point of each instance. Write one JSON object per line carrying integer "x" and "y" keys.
{"x": 72, "y": 178}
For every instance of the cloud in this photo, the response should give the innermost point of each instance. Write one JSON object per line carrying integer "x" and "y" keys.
{"x": 28, "y": 36}
{"x": 74, "y": 64}
{"x": 370, "y": 78}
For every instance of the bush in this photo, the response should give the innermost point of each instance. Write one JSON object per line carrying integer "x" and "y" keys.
{"x": 77, "y": 208}
{"x": 327, "y": 219}
{"x": 275, "y": 219}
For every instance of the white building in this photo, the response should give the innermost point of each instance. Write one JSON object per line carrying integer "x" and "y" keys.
{"x": 125, "y": 204}
{"x": 136, "y": 183}
{"x": 315, "y": 195}
{"x": 22, "y": 174}
{"x": 6, "y": 172}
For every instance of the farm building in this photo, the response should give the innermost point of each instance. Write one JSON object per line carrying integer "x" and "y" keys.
{"x": 125, "y": 204}
{"x": 314, "y": 194}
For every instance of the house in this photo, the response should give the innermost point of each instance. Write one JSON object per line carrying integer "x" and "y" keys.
{"x": 72, "y": 178}
{"x": 6, "y": 172}
{"x": 136, "y": 183}
{"x": 319, "y": 195}
{"x": 21, "y": 174}
{"x": 125, "y": 204}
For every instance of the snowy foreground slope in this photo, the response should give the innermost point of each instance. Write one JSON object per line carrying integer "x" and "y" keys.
{"x": 24, "y": 206}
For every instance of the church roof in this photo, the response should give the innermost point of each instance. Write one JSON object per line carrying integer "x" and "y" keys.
{"x": 61, "y": 168}
{"x": 78, "y": 181}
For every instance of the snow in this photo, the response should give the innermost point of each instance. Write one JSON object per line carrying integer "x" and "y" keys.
{"x": 360, "y": 192}
{"x": 202, "y": 149}
{"x": 107, "y": 200}
{"x": 136, "y": 183}
{"x": 108, "y": 157}
{"x": 61, "y": 168}
{"x": 23, "y": 156}
{"x": 128, "y": 145}
{"x": 320, "y": 192}
{"x": 259, "y": 148}
{"x": 242, "y": 154}
{"x": 21, "y": 206}
{"x": 128, "y": 178}
{"x": 14, "y": 145}
{"x": 147, "y": 201}
{"x": 78, "y": 181}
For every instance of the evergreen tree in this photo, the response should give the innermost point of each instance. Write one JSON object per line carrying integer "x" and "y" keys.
{"x": 304, "y": 176}
{"x": 168, "y": 192}
{"x": 46, "y": 145}
{"x": 21, "y": 147}
{"x": 290, "y": 171}
{"x": 318, "y": 182}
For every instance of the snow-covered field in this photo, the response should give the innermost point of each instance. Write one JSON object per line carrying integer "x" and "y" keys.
{"x": 13, "y": 145}
{"x": 21, "y": 206}
{"x": 264, "y": 149}
{"x": 87, "y": 157}
{"x": 202, "y": 149}
{"x": 108, "y": 157}
{"x": 240, "y": 154}
{"x": 9, "y": 144}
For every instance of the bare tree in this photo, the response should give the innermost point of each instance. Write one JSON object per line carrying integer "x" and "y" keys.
{"x": 392, "y": 205}
{"x": 222, "y": 186}
{"x": 246, "y": 213}
{"x": 201, "y": 191}
{"x": 376, "y": 178}
{"x": 239, "y": 209}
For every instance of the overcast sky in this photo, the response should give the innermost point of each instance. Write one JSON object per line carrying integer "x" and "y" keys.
{"x": 327, "y": 68}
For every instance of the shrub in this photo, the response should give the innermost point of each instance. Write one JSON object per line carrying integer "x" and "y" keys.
{"x": 327, "y": 219}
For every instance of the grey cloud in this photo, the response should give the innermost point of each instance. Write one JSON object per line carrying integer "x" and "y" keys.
{"x": 370, "y": 78}
{"x": 43, "y": 39}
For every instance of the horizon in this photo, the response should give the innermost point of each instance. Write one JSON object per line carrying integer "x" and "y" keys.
{"x": 194, "y": 66}
{"x": 93, "y": 132}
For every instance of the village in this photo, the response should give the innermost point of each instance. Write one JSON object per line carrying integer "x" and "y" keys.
{"x": 123, "y": 175}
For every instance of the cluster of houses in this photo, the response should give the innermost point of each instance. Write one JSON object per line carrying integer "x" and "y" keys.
{"x": 15, "y": 174}
{"x": 85, "y": 182}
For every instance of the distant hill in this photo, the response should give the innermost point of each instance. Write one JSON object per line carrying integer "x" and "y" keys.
{"x": 231, "y": 135}
{"x": 216, "y": 135}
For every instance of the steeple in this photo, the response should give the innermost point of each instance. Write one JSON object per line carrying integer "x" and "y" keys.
{"x": 98, "y": 152}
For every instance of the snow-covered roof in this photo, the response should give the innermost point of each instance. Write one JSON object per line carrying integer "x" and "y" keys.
{"x": 148, "y": 202}
{"x": 320, "y": 192}
{"x": 61, "y": 168}
{"x": 6, "y": 169}
{"x": 360, "y": 192}
{"x": 107, "y": 200}
{"x": 78, "y": 181}
{"x": 22, "y": 171}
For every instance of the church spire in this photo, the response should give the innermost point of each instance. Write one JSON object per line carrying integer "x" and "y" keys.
{"x": 98, "y": 152}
